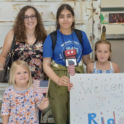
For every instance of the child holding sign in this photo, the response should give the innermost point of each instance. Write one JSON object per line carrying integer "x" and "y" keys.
{"x": 20, "y": 102}
{"x": 103, "y": 62}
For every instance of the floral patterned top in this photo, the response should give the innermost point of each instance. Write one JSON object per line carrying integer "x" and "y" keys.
{"x": 21, "y": 106}
{"x": 33, "y": 55}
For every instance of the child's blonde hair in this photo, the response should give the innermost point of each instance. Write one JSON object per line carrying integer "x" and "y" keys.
{"x": 103, "y": 42}
{"x": 13, "y": 69}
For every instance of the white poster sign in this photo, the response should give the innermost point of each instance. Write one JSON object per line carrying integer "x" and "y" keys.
{"x": 97, "y": 99}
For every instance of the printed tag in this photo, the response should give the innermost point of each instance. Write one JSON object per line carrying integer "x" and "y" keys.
{"x": 70, "y": 55}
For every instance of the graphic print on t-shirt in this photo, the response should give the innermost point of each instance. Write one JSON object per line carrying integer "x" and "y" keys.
{"x": 69, "y": 45}
{"x": 71, "y": 42}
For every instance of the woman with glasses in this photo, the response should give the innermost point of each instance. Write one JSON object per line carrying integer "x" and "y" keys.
{"x": 29, "y": 35}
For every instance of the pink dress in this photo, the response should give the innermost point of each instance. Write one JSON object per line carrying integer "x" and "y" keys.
{"x": 21, "y": 106}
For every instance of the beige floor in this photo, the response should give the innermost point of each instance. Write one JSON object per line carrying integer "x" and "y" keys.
{"x": 118, "y": 53}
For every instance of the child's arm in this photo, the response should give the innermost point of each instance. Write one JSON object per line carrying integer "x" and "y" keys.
{"x": 44, "y": 104}
{"x": 87, "y": 59}
{"x": 5, "y": 109}
{"x": 89, "y": 68}
{"x": 41, "y": 102}
{"x": 5, "y": 119}
{"x": 116, "y": 68}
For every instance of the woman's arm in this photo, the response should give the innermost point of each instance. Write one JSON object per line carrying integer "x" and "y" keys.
{"x": 65, "y": 81}
{"x": 5, "y": 119}
{"x": 87, "y": 59}
{"x": 6, "y": 107}
{"x": 6, "y": 48}
{"x": 48, "y": 70}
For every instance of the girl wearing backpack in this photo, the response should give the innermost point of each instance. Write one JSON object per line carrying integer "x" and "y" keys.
{"x": 67, "y": 42}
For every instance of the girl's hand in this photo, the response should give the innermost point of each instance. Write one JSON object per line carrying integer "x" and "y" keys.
{"x": 44, "y": 104}
{"x": 65, "y": 81}
{"x": 70, "y": 85}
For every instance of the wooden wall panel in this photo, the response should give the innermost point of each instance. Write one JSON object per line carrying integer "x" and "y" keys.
{"x": 87, "y": 18}
{"x": 40, "y": 0}
{"x": 96, "y": 27}
{"x": 83, "y": 15}
{"x": 47, "y": 9}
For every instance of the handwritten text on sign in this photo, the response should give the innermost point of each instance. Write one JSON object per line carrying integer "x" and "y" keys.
{"x": 97, "y": 99}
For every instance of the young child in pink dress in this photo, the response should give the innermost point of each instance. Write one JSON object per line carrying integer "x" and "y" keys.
{"x": 20, "y": 103}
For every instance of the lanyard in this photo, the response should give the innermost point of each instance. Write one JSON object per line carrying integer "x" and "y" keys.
{"x": 64, "y": 41}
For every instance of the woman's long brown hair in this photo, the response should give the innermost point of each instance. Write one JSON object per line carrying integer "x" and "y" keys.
{"x": 19, "y": 27}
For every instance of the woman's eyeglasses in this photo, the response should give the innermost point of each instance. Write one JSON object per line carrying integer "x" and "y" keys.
{"x": 26, "y": 18}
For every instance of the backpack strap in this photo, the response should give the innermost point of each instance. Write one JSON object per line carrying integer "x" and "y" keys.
{"x": 79, "y": 35}
{"x": 54, "y": 37}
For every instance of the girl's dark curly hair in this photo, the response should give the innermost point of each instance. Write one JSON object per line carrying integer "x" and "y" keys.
{"x": 103, "y": 42}
{"x": 19, "y": 27}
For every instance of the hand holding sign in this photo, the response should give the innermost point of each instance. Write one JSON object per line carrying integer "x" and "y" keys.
{"x": 65, "y": 81}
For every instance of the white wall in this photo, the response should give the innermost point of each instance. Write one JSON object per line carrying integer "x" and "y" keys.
{"x": 113, "y": 28}
{"x": 84, "y": 16}
{"x": 118, "y": 53}
{"x": 117, "y": 45}
{"x": 112, "y": 3}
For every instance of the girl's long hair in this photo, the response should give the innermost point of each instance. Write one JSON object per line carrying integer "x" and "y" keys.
{"x": 62, "y": 7}
{"x": 19, "y": 27}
